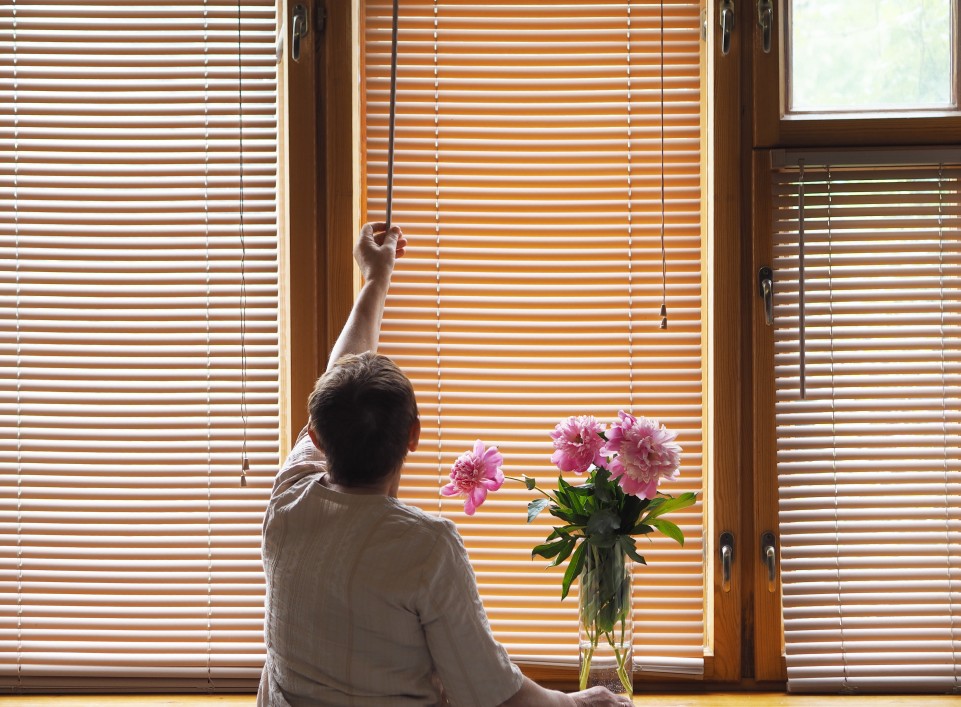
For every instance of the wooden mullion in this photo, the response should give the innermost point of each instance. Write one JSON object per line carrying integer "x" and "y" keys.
{"x": 340, "y": 177}
{"x": 769, "y": 633}
{"x": 724, "y": 609}
{"x": 303, "y": 316}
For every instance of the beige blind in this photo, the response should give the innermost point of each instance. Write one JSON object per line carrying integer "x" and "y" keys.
{"x": 528, "y": 182}
{"x": 138, "y": 339}
{"x": 868, "y": 456}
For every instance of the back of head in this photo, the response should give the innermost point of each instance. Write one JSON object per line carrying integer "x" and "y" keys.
{"x": 361, "y": 412}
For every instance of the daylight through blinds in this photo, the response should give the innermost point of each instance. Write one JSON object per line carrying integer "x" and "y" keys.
{"x": 528, "y": 183}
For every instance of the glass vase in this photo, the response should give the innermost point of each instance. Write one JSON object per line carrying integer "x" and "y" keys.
{"x": 606, "y": 623}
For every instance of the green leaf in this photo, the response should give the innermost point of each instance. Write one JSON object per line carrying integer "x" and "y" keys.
{"x": 564, "y": 553}
{"x": 641, "y": 529}
{"x": 630, "y": 512}
{"x": 630, "y": 548}
{"x": 669, "y": 529}
{"x": 563, "y": 498}
{"x": 535, "y": 507}
{"x": 530, "y": 483}
{"x": 604, "y": 521}
{"x": 563, "y": 514}
{"x": 573, "y": 569}
{"x": 575, "y": 495}
{"x": 549, "y": 550}
{"x": 564, "y": 531}
{"x": 604, "y": 541}
{"x": 602, "y": 476}
{"x": 659, "y": 507}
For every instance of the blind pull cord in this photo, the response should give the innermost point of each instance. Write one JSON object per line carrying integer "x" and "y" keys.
{"x": 393, "y": 108}
{"x": 16, "y": 316}
{"x": 944, "y": 425}
{"x": 663, "y": 312}
{"x": 207, "y": 363}
{"x": 244, "y": 459}
{"x": 834, "y": 440}
{"x": 630, "y": 225}
{"x": 440, "y": 407}
{"x": 800, "y": 220}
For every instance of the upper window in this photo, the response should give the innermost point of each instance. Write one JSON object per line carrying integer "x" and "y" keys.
{"x": 870, "y": 56}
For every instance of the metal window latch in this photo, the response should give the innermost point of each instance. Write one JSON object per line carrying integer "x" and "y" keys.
{"x": 298, "y": 30}
{"x": 765, "y": 18}
{"x": 765, "y": 288}
{"x": 769, "y": 557}
{"x": 727, "y": 559}
{"x": 727, "y": 25}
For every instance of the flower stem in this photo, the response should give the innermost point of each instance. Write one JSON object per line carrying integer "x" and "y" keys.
{"x": 621, "y": 658}
{"x": 586, "y": 659}
{"x": 543, "y": 493}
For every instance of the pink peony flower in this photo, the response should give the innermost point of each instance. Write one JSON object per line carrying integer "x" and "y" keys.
{"x": 474, "y": 474}
{"x": 577, "y": 444}
{"x": 646, "y": 453}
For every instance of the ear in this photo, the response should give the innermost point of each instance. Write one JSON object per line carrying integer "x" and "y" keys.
{"x": 414, "y": 436}
{"x": 313, "y": 437}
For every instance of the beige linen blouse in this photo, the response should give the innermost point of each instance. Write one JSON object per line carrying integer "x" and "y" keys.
{"x": 366, "y": 598}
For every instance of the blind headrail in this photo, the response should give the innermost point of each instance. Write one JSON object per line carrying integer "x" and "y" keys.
{"x": 787, "y": 160}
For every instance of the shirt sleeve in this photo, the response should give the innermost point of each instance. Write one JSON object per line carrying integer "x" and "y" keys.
{"x": 473, "y": 667}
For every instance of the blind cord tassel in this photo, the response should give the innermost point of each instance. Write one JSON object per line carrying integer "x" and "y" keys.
{"x": 663, "y": 188}
{"x": 245, "y": 463}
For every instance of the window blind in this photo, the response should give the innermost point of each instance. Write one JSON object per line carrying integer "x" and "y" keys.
{"x": 528, "y": 181}
{"x": 138, "y": 340}
{"x": 868, "y": 455}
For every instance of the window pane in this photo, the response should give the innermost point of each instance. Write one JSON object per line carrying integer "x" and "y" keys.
{"x": 869, "y": 55}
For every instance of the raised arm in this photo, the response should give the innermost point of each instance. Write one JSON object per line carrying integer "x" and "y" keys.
{"x": 375, "y": 253}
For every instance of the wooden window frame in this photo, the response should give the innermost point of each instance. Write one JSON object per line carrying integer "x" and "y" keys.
{"x": 772, "y": 129}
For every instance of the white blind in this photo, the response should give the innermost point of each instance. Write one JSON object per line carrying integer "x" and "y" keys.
{"x": 528, "y": 182}
{"x": 868, "y": 456}
{"x": 138, "y": 339}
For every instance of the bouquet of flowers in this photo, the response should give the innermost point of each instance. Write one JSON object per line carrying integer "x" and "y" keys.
{"x": 599, "y": 519}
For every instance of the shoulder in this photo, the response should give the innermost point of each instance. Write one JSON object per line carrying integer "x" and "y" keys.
{"x": 304, "y": 460}
{"x": 433, "y": 526}
{"x": 419, "y": 536}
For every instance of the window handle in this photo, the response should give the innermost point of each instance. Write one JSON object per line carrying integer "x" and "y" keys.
{"x": 727, "y": 25}
{"x": 298, "y": 31}
{"x": 769, "y": 555}
{"x": 727, "y": 560}
{"x": 765, "y": 288}
{"x": 765, "y": 18}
